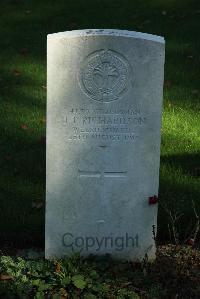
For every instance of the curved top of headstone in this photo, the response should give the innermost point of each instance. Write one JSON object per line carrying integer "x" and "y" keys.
{"x": 108, "y": 32}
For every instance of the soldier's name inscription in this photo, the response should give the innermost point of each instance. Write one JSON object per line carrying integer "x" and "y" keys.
{"x": 103, "y": 124}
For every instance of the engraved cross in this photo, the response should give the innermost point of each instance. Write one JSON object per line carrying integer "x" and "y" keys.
{"x": 105, "y": 174}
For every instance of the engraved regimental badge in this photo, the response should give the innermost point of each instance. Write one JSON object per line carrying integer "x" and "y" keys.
{"x": 104, "y": 76}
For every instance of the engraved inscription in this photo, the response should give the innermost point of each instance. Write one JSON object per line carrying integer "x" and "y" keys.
{"x": 104, "y": 75}
{"x": 104, "y": 125}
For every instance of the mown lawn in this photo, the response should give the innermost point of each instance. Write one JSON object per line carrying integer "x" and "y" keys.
{"x": 24, "y": 25}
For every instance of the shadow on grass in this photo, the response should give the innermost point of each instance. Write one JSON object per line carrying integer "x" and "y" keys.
{"x": 22, "y": 162}
{"x": 189, "y": 164}
{"x": 22, "y": 197}
{"x": 179, "y": 188}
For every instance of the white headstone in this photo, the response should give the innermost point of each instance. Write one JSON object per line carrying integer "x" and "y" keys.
{"x": 103, "y": 142}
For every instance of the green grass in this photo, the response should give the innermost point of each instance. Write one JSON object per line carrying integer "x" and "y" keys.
{"x": 24, "y": 25}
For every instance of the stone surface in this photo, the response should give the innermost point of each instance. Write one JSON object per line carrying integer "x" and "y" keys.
{"x": 103, "y": 142}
